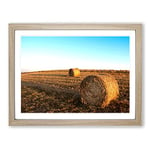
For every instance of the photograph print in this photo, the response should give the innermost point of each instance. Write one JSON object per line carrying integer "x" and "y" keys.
{"x": 75, "y": 73}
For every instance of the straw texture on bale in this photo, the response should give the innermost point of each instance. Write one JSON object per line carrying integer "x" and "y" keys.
{"x": 99, "y": 90}
{"x": 74, "y": 72}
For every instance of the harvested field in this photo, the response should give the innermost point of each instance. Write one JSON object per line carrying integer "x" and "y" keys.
{"x": 56, "y": 91}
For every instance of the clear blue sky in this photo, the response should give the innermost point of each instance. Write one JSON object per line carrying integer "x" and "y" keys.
{"x": 84, "y": 52}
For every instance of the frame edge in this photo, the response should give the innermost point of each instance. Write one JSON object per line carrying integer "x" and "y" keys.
{"x": 138, "y": 63}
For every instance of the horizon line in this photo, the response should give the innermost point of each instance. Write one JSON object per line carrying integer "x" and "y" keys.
{"x": 74, "y": 67}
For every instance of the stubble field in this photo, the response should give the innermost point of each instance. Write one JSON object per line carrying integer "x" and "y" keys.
{"x": 55, "y": 91}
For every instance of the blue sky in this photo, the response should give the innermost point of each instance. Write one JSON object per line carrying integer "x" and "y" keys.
{"x": 84, "y": 52}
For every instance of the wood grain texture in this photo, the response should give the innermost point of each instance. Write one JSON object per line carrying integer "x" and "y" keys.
{"x": 138, "y": 74}
{"x": 11, "y": 74}
{"x": 91, "y": 122}
{"x": 70, "y": 26}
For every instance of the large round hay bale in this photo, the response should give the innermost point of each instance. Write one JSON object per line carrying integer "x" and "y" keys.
{"x": 99, "y": 90}
{"x": 74, "y": 72}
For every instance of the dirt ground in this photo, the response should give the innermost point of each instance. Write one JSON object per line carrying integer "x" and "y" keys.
{"x": 55, "y": 92}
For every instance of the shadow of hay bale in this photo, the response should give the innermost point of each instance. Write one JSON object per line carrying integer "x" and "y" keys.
{"x": 77, "y": 99}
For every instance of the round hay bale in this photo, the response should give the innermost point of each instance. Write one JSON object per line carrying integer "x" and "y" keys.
{"x": 74, "y": 72}
{"x": 99, "y": 90}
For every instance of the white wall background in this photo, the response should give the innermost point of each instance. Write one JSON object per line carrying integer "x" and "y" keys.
{"x": 68, "y": 138}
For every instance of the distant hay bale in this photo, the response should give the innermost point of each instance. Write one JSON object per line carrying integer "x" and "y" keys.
{"x": 74, "y": 72}
{"x": 99, "y": 90}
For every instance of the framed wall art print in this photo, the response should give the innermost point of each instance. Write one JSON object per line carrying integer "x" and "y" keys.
{"x": 75, "y": 74}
